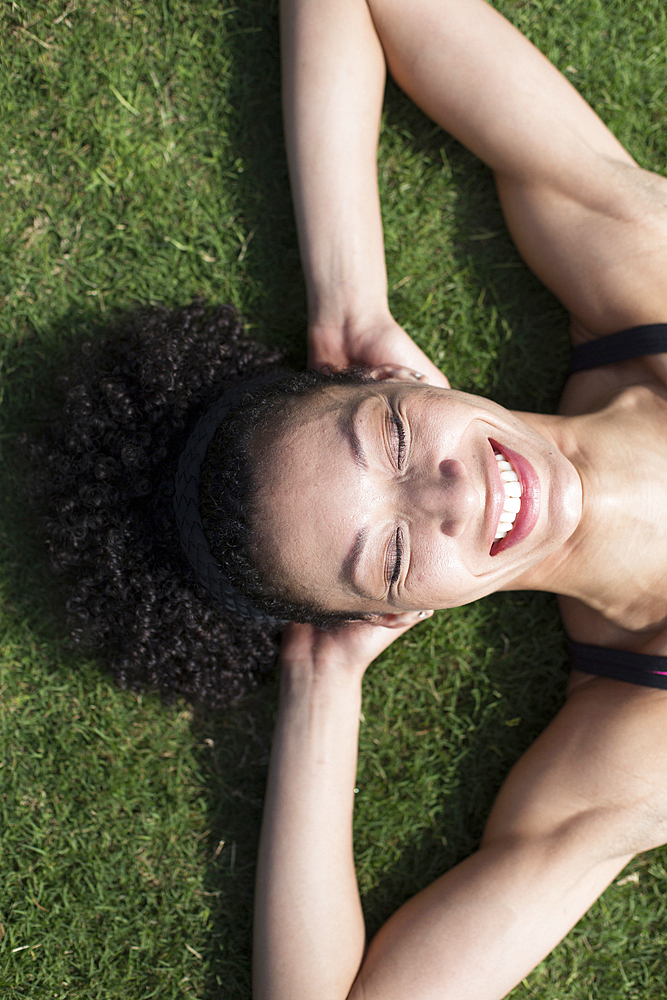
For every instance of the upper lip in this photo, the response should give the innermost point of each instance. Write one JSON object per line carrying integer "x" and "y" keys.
{"x": 496, "y": 500}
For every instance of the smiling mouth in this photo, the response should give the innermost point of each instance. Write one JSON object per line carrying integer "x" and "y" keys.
{"x": 513, "y": 491}
{"x": 520, "y": 512}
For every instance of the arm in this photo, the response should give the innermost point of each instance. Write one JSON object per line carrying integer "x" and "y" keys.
{"x": 333, "y": 85}
{"x": 309, "y": 930}
{"x": 588, "y": 221}
{"x": 587, "y": 796}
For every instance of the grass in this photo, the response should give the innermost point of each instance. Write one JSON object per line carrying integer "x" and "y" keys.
{"x": 141, "y": 159}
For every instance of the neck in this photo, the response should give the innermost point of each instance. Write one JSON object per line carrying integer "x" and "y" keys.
{"x": 574, "y": 569}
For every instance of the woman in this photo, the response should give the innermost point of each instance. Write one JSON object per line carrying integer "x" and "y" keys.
{"x": 414, "y": 527}
{"x": 408, "y": 520}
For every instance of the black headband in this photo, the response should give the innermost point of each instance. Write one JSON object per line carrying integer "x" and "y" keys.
{"x": 194, "y": 542}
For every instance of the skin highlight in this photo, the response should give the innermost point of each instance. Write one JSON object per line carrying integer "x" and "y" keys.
{"x": 386, "y": 498}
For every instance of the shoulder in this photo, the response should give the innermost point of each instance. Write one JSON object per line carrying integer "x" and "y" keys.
{"x": 598, "y": 387}
{"x": 602, "y": 651}
{"x": 621, "y": 239}
{"x": 608, "y": 379}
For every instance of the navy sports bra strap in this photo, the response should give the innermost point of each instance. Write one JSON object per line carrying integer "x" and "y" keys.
{"x": 632, "y": 343}
{"x": 620, "y": 664}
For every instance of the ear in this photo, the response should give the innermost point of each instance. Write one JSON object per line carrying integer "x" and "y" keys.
{"x": 401, "y": 619}
{"x": 397, "y": 373}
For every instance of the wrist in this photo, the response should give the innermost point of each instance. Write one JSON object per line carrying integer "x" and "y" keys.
{"x": 348, "y": 332}
{"x": 349, "y": 315}
{"x": 321, "y": 673}
{"x": 328, "y": 691}
{"x": 343, "y": 265}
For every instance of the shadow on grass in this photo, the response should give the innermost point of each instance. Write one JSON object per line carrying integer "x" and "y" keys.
{"x": 270, "y": 253}
{"x": 510, "y": 699}
{"x": 234, "y": 757}
{"x": 30, "y": 366}
{"x": 522, "y": 327}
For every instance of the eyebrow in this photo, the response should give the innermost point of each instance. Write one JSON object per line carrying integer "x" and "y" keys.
{"x": 348, "y": 429}
{"x": 351, "y": 560}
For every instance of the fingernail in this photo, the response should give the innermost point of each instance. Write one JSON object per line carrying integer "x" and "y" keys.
{"x": 423, "y": 614}
{"x": 417, "y": 375}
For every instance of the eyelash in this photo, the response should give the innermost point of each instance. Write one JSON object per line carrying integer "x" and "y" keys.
{"x": 400, "y": 455}
{"x": 400, "y": 434}
{"x": 399, "y": 553}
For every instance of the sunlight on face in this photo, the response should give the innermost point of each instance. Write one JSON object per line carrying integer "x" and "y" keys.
{"x": 387, "y": 497}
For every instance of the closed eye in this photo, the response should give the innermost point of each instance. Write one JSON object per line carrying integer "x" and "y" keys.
{"x": 397, "y": 555}
{"x": 400, "y": 438}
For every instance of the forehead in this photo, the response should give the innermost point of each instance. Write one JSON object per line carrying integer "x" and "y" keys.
{"x": 309, "y": 495}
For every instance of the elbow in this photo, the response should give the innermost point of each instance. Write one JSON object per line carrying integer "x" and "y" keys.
{"x": 613, "y": 834}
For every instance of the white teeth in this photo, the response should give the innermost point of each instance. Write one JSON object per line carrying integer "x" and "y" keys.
{"x": 512, "y": 504}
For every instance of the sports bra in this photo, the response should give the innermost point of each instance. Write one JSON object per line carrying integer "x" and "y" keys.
{"x": 632, "y": 343}
{"x": 620, "y": 664}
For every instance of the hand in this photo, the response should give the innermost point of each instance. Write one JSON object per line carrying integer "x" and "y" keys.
{"x": 383, "y": 342}
{"x": 351, "y": 647}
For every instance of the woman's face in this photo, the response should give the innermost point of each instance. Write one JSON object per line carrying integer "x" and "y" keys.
{"x": 387, "y": 497}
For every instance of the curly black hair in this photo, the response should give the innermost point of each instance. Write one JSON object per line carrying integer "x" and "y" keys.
{"x": 105, "y": 479}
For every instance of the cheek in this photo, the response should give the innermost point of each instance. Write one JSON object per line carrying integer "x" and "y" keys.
{"x": 439, "y": 578}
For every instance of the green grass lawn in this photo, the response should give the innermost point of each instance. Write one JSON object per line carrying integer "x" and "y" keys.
{"x": 141, "y": 159}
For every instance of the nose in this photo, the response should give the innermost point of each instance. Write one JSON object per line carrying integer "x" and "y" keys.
{"x": 448, "y": 496}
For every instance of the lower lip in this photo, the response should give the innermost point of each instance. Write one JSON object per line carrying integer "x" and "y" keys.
{"x": 527, "y": 517}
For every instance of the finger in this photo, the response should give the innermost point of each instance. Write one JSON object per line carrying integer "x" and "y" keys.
{"x": 336, "y": 363}
{"x": 403, "y": 619}
{"x": 421, "y": 370}
{"x": 329, "y": 356}
{"x": 388, "y": 370}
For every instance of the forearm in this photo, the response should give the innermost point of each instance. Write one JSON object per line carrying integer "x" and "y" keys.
{"x": 483, "y": 81}
{"x": 586, "y": 796}
{"x": 309, "y": 931}
{"x": 333, "y": 85}
{"x": 481, "y": 928}
{"x": 585, "y": 219}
